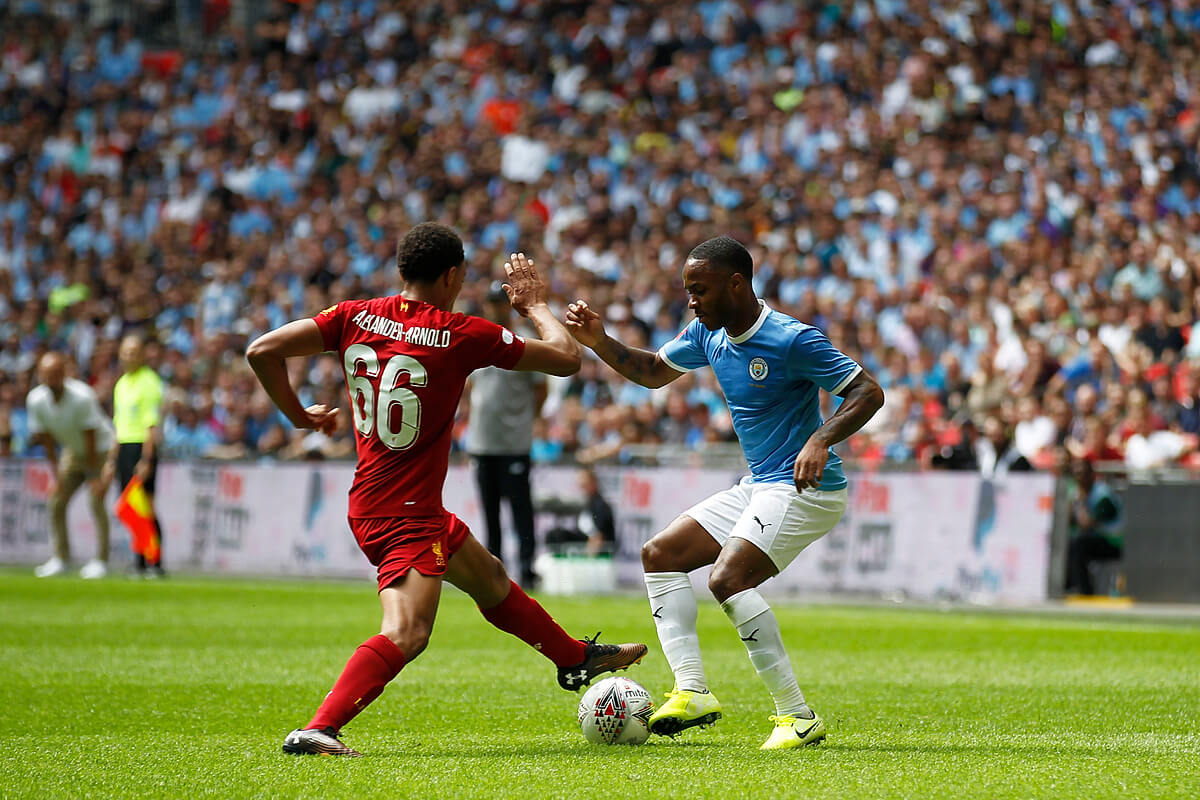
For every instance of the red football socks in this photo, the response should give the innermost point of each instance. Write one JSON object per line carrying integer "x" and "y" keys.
{"x": 522, "y": 616}
{"x": 373, "y": 665}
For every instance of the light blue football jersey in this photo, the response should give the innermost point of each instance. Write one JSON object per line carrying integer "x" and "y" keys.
{"x": 770, "y": 375}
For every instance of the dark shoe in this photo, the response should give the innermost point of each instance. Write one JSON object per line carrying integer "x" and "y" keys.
{"x": 313, "y": 742}
{"x": 597, "y": 659}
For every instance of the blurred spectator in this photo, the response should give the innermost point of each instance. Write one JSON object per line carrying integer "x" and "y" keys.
{"x": 1096, "y": 527}
{"x": 979, "y": 206}
{"x": 596, "y": 521}
{"x": 595, "y": 524}
{"x": 995, "y": 454}
{"x": 989, "y": 388}
{"x": 960, "y": 455}
{"x": 232, "y": 444}
{"x": 502, "y": 407}
{"x": 1035, "y": 432}
{"x": 1094, "y": 443}
{"x": 65, "y": 413}
{"x": 1187, "y": 409}
{"x": 6, "y": 448}
{"x": 1147, "y": 448}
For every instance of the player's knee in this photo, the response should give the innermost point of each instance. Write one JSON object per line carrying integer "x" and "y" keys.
{"x": 411, "y": 637}
{"x": 654, "y": 557}
{"x": 724, "y": 583}
{"x": 496, "y": 584}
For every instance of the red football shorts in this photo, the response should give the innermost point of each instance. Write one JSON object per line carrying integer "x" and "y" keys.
{"x": 394, "y": 545}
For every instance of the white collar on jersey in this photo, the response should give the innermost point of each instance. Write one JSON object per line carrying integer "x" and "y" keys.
{"x": 753, "y": 329}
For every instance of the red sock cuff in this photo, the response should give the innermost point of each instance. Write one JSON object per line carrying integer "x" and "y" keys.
{"x": 387, "y": 650}
{"x": 512, "y": 606}
{"x": 514, "y": 594}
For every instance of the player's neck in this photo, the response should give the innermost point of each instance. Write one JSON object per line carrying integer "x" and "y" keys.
{"x": 426, "y": 294}
{"x": 744, "y": 318}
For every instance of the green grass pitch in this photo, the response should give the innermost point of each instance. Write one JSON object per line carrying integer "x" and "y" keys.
{"x": 186, "y": 687}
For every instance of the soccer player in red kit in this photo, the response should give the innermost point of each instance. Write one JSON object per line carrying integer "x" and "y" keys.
{"x": 406, "y": 360}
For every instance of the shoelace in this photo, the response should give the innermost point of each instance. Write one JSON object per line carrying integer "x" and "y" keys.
{"x": 782, "y": 719}
{"x": 602, "y": 649}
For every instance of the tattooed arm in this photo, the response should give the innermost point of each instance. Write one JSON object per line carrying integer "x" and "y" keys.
{"x": 860, "y": 400}
{"x": 639, "y": 366}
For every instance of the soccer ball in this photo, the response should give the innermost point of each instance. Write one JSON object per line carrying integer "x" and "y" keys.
{"x": 616, "y": 711}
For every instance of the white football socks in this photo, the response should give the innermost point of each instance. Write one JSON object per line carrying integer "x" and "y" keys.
{"x": 759, "y": 630}
{"x": 673, "y": 604}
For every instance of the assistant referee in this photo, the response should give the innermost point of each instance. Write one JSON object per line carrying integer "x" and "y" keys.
{"x": 137, "y": 414}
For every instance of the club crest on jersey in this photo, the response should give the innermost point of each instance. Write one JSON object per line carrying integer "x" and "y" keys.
{"x": 758, "y": 368}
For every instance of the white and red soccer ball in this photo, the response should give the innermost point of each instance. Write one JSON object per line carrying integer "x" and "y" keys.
{"x": 616, "y": 711}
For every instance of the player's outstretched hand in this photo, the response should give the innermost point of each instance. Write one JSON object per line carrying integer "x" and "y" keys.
{"x": 321, "y": 418}
{"x": 525, "y": 287}
{"x": 585, "y": 324}
{"x": 810, "y": 466}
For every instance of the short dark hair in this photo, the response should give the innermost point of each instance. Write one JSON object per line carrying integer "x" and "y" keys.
{"x": 725, "y": 252}
{"x": 427, "y": 251}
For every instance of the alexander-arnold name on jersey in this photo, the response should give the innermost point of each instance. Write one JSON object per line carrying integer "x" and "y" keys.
{"x": 393, "y": 329}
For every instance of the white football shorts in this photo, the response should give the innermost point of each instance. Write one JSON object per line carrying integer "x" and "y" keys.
{"x": 774, "y": 517}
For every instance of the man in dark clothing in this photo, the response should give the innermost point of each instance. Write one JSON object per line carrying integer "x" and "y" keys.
{"x": 503, "y": 405}
{"x": 594, "y": 526}
{"x": 962, "y": 455}
{"x": 1096, "y": 526}
{"x": 995, "y": 453}
{"x": 596, "y": 519}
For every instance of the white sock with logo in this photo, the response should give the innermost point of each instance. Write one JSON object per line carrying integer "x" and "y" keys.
{"x": 673, "y": 604}
{"x": 759, "y": 630}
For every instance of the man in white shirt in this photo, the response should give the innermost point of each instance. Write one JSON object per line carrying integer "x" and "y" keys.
{"x": 995, "y": 451}
{"x": 66, "y": 412}
{"x": 1034, "y": 431}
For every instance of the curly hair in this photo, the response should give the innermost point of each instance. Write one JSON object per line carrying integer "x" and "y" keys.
{"x": 425, "y": 253}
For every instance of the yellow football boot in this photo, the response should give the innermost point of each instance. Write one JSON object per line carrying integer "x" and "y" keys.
{"x": 685, "y": 710}
{"x": 794, "y": 732}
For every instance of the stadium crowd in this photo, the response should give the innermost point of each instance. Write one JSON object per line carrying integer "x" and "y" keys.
{"x": 993, "y": 205}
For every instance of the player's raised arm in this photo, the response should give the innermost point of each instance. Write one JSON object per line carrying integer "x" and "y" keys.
{"x": 555, "y": 353}
{"x": 267, "y": 356}
{"x": 639, "y": 366}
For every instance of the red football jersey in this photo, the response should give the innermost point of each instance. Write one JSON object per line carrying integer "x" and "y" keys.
{"x": 406, "y": 363}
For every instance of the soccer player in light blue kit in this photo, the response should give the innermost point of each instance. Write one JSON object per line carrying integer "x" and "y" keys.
{"x": 771, "y": 368}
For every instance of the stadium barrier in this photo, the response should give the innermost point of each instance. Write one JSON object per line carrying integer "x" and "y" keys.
{"x": 1161, "y": 561}
{"x": 924, "y": 535}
